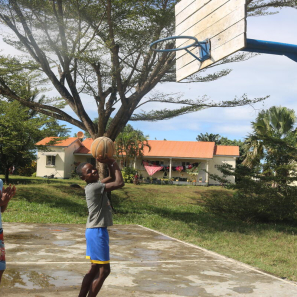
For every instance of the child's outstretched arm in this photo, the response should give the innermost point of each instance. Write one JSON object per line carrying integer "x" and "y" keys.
{"x": 6, "y": 194}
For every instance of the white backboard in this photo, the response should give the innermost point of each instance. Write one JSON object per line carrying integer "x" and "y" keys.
{"x": 221, "y": 21}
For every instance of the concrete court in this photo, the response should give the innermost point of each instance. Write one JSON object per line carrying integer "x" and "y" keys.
{"x": 47, "y": 260}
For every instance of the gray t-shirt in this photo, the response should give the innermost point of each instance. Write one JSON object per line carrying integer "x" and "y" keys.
{"x": 100, "y": 212}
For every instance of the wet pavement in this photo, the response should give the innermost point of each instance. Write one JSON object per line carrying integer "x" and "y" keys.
{"x": 47, "y": 260}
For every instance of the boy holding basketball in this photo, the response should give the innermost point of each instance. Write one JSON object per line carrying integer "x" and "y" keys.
{"x": 5, "y": 196}
{"x": 100, "y": 217}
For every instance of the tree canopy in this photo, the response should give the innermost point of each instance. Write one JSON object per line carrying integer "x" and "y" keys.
{"x": 100, "y": 50}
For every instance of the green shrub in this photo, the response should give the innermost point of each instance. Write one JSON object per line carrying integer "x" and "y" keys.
{"x": 28, "y": 169}
{"x": 128, "y": 174}
{"x": 256, "y": 197}
{"x": 128, "y": 178}
{"x": 74, "y": 175}
{"x": 33, "y": 174}
{"x": 267, "y": 206}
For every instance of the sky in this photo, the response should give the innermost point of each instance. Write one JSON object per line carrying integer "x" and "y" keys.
{"x": 263, "y": 75}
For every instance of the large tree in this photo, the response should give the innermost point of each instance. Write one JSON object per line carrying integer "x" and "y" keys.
{"x": 101, "y": 49}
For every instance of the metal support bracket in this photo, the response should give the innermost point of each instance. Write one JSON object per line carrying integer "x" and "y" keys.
{"x": 203, "y": 47}
{"x": 203, "y": 50}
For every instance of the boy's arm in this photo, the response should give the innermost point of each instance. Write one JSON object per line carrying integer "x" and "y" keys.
{"x": 115, "y": 179}
{"x": 111, "y": 177}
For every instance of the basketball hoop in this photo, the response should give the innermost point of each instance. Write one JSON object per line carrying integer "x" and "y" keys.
{"x": 203, "y": 46}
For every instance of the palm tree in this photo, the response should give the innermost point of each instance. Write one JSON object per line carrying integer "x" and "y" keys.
{"x": 130, "y": 143}
{"x": 209, "y": 137}
{"x": 277, "y": 123}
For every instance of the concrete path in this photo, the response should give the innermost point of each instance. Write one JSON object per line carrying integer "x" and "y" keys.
{"x": 49, "y": 260}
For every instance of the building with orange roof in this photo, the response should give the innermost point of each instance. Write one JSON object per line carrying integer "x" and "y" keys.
{"x": 55, "y": 157}
{"x": 164, "y": 159}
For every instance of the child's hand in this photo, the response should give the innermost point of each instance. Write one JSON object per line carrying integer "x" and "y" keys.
{"x": 7, "y": 193}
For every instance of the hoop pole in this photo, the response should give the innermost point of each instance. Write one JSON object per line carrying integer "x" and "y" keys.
{"x": 273, "y": 48}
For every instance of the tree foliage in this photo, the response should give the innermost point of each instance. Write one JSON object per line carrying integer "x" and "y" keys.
{"x": 100, "y": 50}
{"x": 209, "y": 137}
{"x": 130, "y": 144}
{"x": 20, "y": 129}
{"x": 276, "y": 123}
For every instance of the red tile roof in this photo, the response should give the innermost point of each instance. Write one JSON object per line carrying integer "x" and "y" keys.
{"x": 162, "y": 148}
{"x": 178, "y": 149}
{"x": 226, "y": 150}
{"x": 64, "y": 142}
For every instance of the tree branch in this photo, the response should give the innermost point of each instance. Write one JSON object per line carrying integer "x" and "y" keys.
{"x": 192, "y": 106}
{"x": 42, "y": 108}
{"x": 115, "y": 55}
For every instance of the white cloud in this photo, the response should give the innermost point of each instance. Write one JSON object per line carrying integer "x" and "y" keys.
{"x": 235, "y": 129}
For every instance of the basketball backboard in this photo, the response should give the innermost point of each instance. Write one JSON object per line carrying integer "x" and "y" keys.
{"x": 223, "y": 22}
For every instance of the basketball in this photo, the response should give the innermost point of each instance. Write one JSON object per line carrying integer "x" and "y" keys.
{"x": 102, "y": 146}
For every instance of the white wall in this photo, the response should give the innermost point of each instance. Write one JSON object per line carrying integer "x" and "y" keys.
{"x": 57, "y": 169}
{"x": 70, "y": 159}
{"x": 217, "y": 160}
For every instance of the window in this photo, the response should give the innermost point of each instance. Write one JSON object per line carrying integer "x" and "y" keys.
{"x": 217, "y": 166}
{"x": 50, "y": 160}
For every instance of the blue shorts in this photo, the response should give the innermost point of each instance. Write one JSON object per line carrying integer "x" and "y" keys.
{"x": 97, "y": 245}
{"x": 2, "y": 251}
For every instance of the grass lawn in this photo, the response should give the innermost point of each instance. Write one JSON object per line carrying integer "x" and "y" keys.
{"x": 174, "y": 210}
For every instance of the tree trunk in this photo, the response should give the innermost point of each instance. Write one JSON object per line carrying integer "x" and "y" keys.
{"x": 102, "y": 169}
{"x": 103, "y": 173}
{"x": 7, "y": 175}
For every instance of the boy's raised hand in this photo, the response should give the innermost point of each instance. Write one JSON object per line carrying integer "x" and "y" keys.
{"x": 105, "y": 160}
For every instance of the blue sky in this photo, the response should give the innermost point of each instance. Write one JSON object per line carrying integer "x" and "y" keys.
{"x": 263, "y": 75}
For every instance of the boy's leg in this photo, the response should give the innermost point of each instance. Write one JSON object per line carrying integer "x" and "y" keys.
{"x": 1, "y": 273}
{"x": 88, "y": 280}
{"x": 104, "y": 271}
